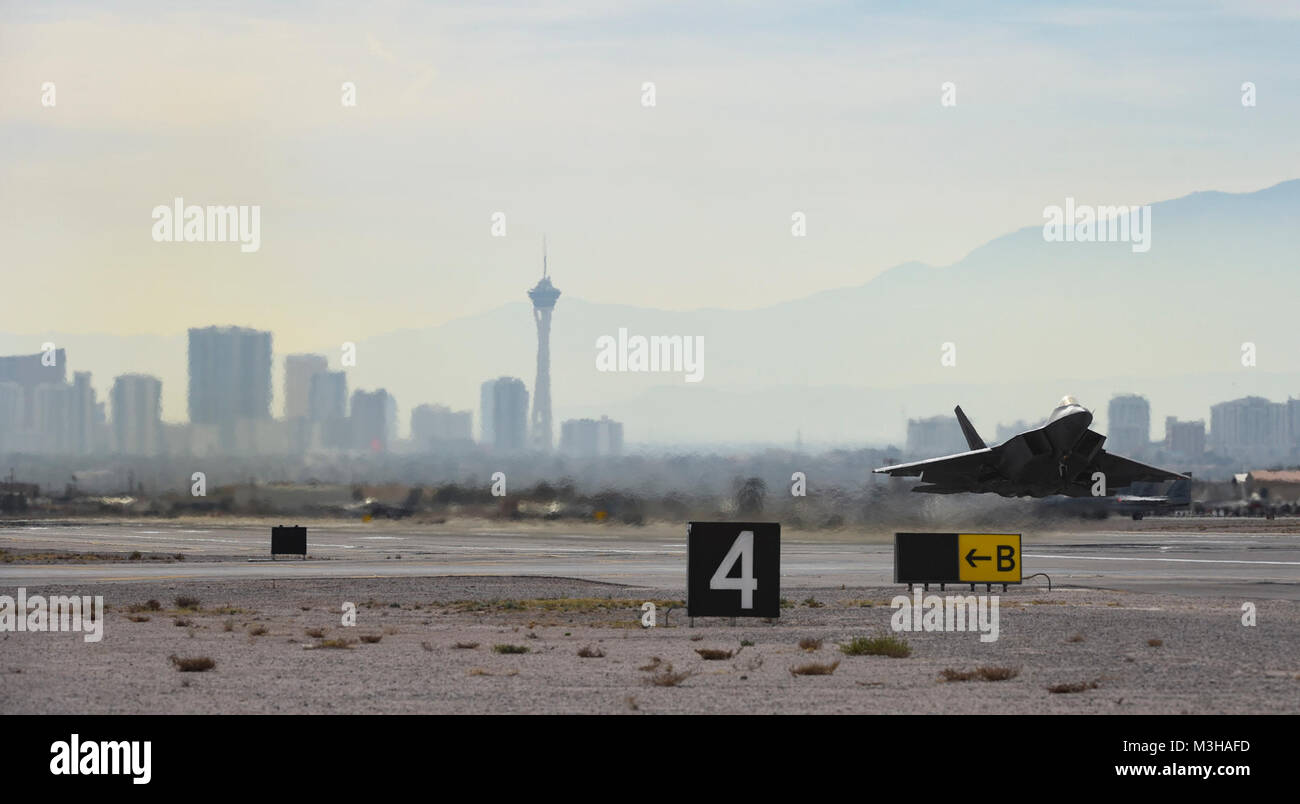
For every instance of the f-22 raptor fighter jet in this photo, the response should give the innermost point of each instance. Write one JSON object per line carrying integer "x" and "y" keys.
{"x": 1061, "y": 457}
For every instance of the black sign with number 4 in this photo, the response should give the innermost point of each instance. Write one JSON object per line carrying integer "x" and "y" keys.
{"x": 733, "y": 569}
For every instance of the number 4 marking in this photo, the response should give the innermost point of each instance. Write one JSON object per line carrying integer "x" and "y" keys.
{"x": 742, "y": 548}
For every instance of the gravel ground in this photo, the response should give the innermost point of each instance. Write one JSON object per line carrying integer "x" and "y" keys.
{"x": 1208, "y": 661}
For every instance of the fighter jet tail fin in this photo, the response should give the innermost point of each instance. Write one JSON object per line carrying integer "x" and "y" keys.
{"x": 973, "y": 439}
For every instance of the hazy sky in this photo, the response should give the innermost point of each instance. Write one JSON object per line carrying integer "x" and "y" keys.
{"x": 378, "y": 217}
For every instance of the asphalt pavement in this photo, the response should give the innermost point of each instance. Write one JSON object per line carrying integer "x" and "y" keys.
{"x": 1216, "y": 562}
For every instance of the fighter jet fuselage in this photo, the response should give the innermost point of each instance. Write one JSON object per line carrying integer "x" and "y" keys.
{"x": 1050, "y": 459}
{"x": 1063, "y": 456}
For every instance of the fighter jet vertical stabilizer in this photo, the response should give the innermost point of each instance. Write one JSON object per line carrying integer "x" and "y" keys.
{"x": 973, "y": 439}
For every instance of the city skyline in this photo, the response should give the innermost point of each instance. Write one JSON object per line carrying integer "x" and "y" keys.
{"x": 65, "y": 418}
{"x": 807, "y": 218}
{"x": 294, "y": 417}
{"x": 856, "y": 346}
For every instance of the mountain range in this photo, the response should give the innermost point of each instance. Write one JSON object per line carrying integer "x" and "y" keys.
{"x": 1026, "y": 321}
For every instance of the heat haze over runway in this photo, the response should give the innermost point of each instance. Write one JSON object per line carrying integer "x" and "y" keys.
{"x": 1225, "y": 558}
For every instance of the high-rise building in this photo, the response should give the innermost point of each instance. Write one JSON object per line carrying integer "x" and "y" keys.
{"x": 1185, "y": 439}
{"x": 230, "y": 378}
{"x": 1128, "y": 424}
{"x": 937, "y": 435}
{"x": 55, "y": 411}
{"x": 103, "y": 435}
{"x": 30, "y": 371}
{"x": 1293, "y": 422}
{"x": 1250, "y": 428}
{"x": 298, "y": 373}
{"x": 299, "y": 430}
{"x": 437, "y": 424}
{"x": 374, "y": 420}
{"x": 63, "y": 420}
{"x": 82, "y": 423}
{"x": 328, "y": 396}
{"x": 327, "y": 408}
{"x": 544, "y": 296}
{"x": 589, "y": 438}
{"x": 137, "y": 415}
{"x": 12, "y": 401}
{"x": 1003, "y": 432}
{"x": 503, "y": 411}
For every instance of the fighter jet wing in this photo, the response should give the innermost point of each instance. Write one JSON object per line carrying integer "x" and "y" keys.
{"x": 1121, "y": 472}
{"x": 962, "y": 466}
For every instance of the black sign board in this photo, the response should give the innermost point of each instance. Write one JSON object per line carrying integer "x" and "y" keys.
{"x": 733, "y": 569}
{"x": 289, "y": 539}
{"x": 957, "y": 558}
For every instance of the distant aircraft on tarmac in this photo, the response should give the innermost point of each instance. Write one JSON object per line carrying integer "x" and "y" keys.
{"x": 1061, "y": 457}
{"x": 1178, "y": 499}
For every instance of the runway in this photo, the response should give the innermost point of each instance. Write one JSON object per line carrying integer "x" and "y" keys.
{"x": 1221, "y": 563}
